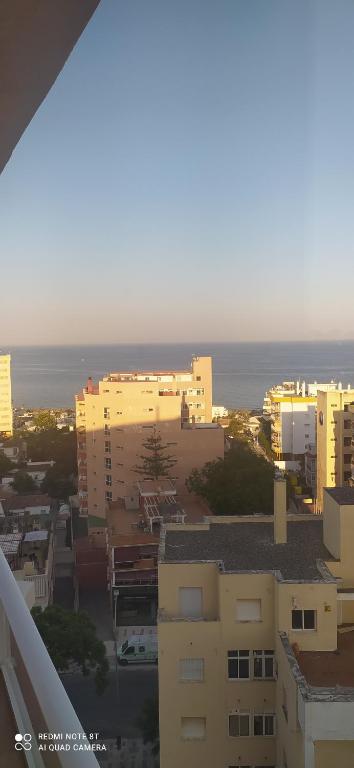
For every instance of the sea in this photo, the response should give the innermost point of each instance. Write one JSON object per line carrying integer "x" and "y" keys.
{"x": 44, "y": 377}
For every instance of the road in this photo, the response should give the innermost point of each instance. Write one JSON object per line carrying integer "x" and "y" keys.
{"x": 115, "y": 712}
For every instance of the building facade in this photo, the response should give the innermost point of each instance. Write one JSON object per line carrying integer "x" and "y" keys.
{"x": 6, "y": 427}
{"x": 292, "y": 407}
{"x": 115, "y": 418}
{"x": 335, "y": 422}
{"x": 245, "y": 607}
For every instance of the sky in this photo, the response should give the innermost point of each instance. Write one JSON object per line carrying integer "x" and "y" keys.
{"x": 189, "y": 177}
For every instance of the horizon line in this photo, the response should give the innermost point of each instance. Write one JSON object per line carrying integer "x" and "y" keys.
{"x": 4, "y": 349}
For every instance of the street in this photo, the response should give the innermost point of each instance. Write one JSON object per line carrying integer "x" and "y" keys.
{"x": 115, "y": 712}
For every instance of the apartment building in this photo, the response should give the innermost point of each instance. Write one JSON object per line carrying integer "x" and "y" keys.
{"x": 335, "y": 422}
{"x": 255, "y": 668}
{"x": 115, "y": 418}
{"x": 6, "y": 427}
{"x": 292, "y": 408}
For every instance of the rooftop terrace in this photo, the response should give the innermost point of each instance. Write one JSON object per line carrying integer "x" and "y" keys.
{"x": 330, "y": 668}
{"x": 249, "y": 546}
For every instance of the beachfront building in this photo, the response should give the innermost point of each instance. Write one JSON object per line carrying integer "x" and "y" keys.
{"x": 292, "y": 410}
{"x": 6, "y": 427}
{"x": 255, "y": 657}
{"x": 115, "y": 418}
{"x": 335, "y": 424}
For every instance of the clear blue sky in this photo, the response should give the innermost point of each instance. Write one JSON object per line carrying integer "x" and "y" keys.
{"x": 190, "y": 176}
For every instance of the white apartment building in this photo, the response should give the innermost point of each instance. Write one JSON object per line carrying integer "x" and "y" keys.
{"x": 292, "y": 407}
{"x": 5, "y": 396}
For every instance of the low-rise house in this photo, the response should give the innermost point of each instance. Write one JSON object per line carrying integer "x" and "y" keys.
{"x": 37, "y": 507}
{"x": 30, "y": 556}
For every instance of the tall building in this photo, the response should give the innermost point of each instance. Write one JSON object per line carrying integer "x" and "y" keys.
{"x": 255, "y": 657}
{"x": 115, "y": 418}
{"x": 335, "y": 421}
{"x": 292, "y": 408}
{"x": 5, "y": 396}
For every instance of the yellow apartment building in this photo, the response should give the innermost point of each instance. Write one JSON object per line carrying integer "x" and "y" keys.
{"x": 256, "y": 663}
{"x": 335, "y": 419}
{"x": 5, "y": 396}
{"x": 115, "y": 418}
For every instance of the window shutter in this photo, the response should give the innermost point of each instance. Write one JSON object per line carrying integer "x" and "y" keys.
{"x": 190, "y": 602}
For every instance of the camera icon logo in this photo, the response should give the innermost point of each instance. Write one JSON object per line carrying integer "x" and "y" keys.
{"x": 23, "y": 741}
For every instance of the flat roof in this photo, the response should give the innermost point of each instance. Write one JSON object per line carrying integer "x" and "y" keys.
{"x": 343, "y": 494}
{"x": 330, "y": 668}
{"x": 36, "y": 536}
{"x": 249, "y": 546}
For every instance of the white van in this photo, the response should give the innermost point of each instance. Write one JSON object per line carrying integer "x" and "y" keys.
{"x": 138, "y": 649}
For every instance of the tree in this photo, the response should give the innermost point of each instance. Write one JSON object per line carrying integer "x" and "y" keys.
{"x": 239, "y": 484}
{"x": 148, "y": 724}
{"x": 23, "y": 483}
{"x": 238, "y": 425}
{"x": 5, "y": 464}
{"x": 155, "y": 463}
{"x": 44, "y": 421}
{"x": 71, "y": 638}
{"x": 57, "y": 484}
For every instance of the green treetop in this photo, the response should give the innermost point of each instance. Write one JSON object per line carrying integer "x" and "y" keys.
{"x": 70, "y": 638}
{"x": 155, "y": 463}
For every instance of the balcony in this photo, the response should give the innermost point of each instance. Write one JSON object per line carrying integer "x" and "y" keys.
{"x": 32, "y": 697}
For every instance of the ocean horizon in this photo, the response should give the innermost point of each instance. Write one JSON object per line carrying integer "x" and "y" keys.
{"x": 50, "y": 376}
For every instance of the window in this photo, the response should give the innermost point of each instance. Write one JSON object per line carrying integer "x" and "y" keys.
{"x": 238, "y": 665}
{"x": 248, "y": 610}
{"x": 191, "y": 670}
{"x": 108, "y": 479}
{"x": 264, "y": 725}
{"x": 347, "y": 458}
{"x": 347, "y": 441}
{"x": 263, "y": 664}
{"x": 108, "y": 496}
{"x": 239, "y": 724}
{"x": 107, "y": 446}
{"x": 198, "y": 378}
{"x": 107, "y": 429}
{"x": 193, "y": 728}
{"x": 303, "y": 619}
{"x": 108, "y": 463}
{"x": 106, "y": 413}
{"x": 141, "y": 648}
{"x": 347, "y": 424}
{"x": 190, "y": 602}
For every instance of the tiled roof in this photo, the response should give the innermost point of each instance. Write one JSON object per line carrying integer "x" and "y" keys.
{"x": 30, "y": 500}
{"x": 249, "y": 546}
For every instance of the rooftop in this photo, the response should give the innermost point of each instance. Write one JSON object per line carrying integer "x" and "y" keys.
{"x": 330, "y": 668}
{"x": 343, "y": 495}
{"x": 249, "y": 546}
{"x": 23, "y": 502}
{"x": 10, "y": 542}
{"x": 36, "y": 536}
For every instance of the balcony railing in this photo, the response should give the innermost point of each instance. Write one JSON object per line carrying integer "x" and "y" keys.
{"x": 38, "y": 700}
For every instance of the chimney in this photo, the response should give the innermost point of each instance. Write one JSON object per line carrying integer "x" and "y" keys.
{"x": 280, "y": 534}
{"x": 89, "y": 385}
